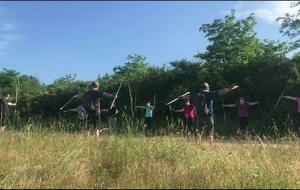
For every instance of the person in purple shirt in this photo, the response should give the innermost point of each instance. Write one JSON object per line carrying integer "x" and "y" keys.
{"x": 297, "y": 99}
{"x": 243, "y": 108}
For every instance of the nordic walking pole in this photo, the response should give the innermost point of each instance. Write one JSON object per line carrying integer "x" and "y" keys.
{"x": 224, "y": 109}
{"x": 172, "y": 101}
{"x": 131, "y": 103}
{"x": 259, "y": 108}
{"x": 171, "y": 113}
{"x": 18, "y": 83}
{"x": 279, "y": 99}
{"x": 116, "y": 94}
{"x": 66, "y": 103}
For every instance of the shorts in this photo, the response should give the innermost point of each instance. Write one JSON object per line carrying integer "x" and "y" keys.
{"x": 243, "y": 122}
{"x": 94, "y": 119}
{"x": 207, "y": 122}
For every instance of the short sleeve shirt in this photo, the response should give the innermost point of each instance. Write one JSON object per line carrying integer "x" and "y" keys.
{"x": 189, "y": 111}
{"x": 149, "y": 111}
{"x": 96, "y": 96}
{"x": 209, "y": 97}
{"x": 243, "y": 109}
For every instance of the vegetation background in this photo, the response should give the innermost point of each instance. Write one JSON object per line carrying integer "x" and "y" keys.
{"x": 262, "y": 69}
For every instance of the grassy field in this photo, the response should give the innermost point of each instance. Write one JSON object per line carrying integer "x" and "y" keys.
{"x": 63, "y": 160}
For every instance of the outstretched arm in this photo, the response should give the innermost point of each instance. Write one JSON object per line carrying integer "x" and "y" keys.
{"x": 180, "y": 110}
{"x": 253, "y": 103}
{"x": 108, "y": 95}
{"x": 290, "y": 97}
{"x": 142, "y": 107}
{"x": 229, "y": 105}
{"x": 11, "y": 104}
{"x": 104, "y": 110}
{"x": 226, "y": 90}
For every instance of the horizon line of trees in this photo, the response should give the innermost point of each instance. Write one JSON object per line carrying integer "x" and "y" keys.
{"x": 234, "y": 55}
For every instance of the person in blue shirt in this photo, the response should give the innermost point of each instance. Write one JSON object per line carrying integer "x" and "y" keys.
{"x": 204, "y": 106}
{"x": 148, "y": 115}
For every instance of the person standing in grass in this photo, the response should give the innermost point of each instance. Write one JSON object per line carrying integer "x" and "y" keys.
{"x": 91, "y": 103}
{"x": 148, "y": 116}
{"x": 5, "y": 103}
{"x": 112, "y": 117}
{"x": 189, "y": 116}
{"x": 297, "y": 100}
{"x": 243, "y": 108}
{"x": 81, "y": 115}
{"x": 204, "y": 106}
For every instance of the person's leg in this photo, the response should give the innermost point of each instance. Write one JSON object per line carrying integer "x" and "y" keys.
{"x": 210, "y": 127}
{"x": 189, "y": 126}
{"x": 113, "y": 123}
{"x": 147, "y": 126}
{"x": 201, "y": 126}
{"x": 193, "y": 127}
{"x": 243, "y": 127}
{"x": 151, "y": 126}
{"x": 185, "y": 126}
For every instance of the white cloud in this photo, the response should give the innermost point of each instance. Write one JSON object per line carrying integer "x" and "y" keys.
{"x": 8, "y": 33}
{"x": 267, "y": 11}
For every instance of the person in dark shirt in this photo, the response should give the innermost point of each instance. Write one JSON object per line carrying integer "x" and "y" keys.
{"x": 204, "y": 107}
{"x": 5, "y": 103}
{"x": 94, "y": 117}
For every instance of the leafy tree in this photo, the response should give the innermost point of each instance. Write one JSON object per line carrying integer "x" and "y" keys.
{"x": 232, "y": 41}
{"x": 135, "y": 68}
{"x": 290, "y": 26}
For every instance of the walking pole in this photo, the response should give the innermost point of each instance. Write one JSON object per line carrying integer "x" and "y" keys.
{"x": 18, "y": 84}
{"x": 279, "y": 99}
{"x": 154, "y": 108}
{"x": 131, "y": 103}
{"x": 172, "y": 101}
{"x": 171, "y": 113}
{"x": 223, "y": 109}
{"x": 66, "y": 103}
{"x": 116, "y": 93}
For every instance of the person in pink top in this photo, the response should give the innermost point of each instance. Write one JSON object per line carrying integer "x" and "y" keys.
{"x": 189, "y": 116}
{"x": 243, "y": 108}
{"x": 297, "y": 99}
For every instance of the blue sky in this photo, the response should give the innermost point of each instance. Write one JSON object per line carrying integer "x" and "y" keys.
{"x": 51, "y": 39}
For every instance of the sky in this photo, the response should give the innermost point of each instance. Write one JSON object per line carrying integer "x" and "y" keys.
{"x": 51, "y": 39}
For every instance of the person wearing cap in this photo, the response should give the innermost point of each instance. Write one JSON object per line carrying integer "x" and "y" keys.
{"x": 94, "y": 118}
{"x": 204, "y": 106}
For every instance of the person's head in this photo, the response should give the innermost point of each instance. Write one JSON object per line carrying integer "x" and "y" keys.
{"x": 7, "y": 96}
{"x": 205, "y": 86}
{"x": 148, "y": 102}
{"x": 242, "y": 100}
{"x": 94, "y": 85}
{"x": 187, "y": 102}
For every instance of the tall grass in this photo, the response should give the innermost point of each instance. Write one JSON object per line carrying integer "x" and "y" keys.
{"x": 49, "y": 159}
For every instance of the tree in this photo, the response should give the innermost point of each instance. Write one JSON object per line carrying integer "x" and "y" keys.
{"x": 290, "y": 26}
{"x": 135, "y": 68}
{"x": 232, "y": 41}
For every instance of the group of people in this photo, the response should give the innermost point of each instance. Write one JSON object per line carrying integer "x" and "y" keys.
{"x": 198, "y": 110}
